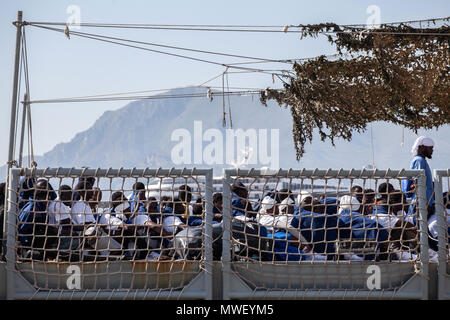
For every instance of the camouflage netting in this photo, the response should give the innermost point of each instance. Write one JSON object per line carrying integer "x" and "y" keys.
{"x": 396, "y": 73}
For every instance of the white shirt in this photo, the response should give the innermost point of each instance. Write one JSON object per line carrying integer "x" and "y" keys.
{"x": 282, "y": 221}
{"x": 141, "y": 219}
{"x": 111, "y": 221}
{"x": 275, "y": 222}
{"x": 170, "y": 223}
{"x": 433, "y": 226}
{"x": 57, "y": 211}
{"x": 386, "y": 220}
{"x": 82, "y": 213}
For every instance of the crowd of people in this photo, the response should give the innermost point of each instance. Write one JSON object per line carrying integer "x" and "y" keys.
{"x": 69, "y": 225}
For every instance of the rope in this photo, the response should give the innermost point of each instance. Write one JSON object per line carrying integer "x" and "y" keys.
{"x": 372, "y": 147}
{"x": 240, "y": 28}
{"x": 31, "y": 161}
{"x": 21, "y": 67}
{"x": 224, "y": 121}
{"x": 100, "y": 38}
{"x": 172, "y": 96}
{"x": 229, "y": 105}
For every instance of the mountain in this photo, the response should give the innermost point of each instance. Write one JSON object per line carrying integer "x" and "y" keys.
{"x": 139, "y": 135}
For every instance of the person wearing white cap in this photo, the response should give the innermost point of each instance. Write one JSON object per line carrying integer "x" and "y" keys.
{"x": 267, "y": 213}
{"x": 276, "y": 211}
{"x": 348, "y": 205}
{"x": 422, "y": 149}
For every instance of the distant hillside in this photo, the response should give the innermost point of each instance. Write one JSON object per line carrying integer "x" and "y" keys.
{"x": 138, "y": 135}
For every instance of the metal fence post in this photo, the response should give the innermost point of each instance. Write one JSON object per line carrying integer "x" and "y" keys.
{"x": 226, "y": 237}
{"x": 208, "y": 235}
{"x": 423, "y": 229}
{"x": 11, "y": 219}
{"x": 442, "y": 234}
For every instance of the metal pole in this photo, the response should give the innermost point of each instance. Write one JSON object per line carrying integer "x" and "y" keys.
{"x": 11, "y": 218}
{"x": 18, "y": 25}
{"x": 22, "y": 135}
{"x": 226, "y": 237}
{"x": 208, "y": 236}
{"x": 442, "y": 237}
{"x": 422, "y": 213}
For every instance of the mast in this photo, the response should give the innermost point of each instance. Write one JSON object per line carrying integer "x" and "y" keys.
{"x": 12, "y": 130}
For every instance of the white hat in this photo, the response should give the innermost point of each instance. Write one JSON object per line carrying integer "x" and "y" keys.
{"x": 266, "y": 204}
{"x": 421, "y": 141}
{"x": 303, "y": 195}
{"x": 284, "y": 204}
{"x": 348, "y": 203}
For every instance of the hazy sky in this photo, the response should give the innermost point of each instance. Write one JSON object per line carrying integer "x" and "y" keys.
{"x": 60, "y": 67}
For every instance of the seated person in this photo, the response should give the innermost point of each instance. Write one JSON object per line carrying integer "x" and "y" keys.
{"x": 137, "y": 198}
{"x": 196, "y": 219}
{"x": 113, "y": 219}
{"x": 240, "y": 206}
{"x": 433, "y": 225}
{"x": 357, "y": 192}
{"x": 185, "y": 196}
{"x": 154, "y": 210}
{"x": 32, "y": 223}
{"x": 276, "y": 218}
{"x": 26, "y": 190}
{"x": 87, "y": 180}
{"x": 349, "y": 205}
{"x": 316, "y": 228}
{"x": 359, "y": 229}
{"x": 304, "y": 197}
{"x": 93, "y": 239}
{"x": 81, "y": 212}
{"x": 268, "y": 212}
{"x": 217, "y": 207}
{"x": 331, "y": 204}
{"x": 276, "y": 210}
{"x": 171, "y": 221}
{"x": 59, "y": 217}
{"x": 384, "y": 190}
{"x": 95, "y": 199}
{"x": 368, "y": 201}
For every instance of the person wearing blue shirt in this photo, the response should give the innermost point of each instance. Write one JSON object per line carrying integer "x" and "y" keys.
{"x": 240, "y": 206}
{"x": 318, "y": 228}
{"x": 137, "y": 198}
{"x": 87, "y": 180}
{"x": 331, "y": 204}
{"x": 368, "y": 201}
{"x": 32, "y": 224}
{"x": 422, "y": 149}
{"x": 26, "y": 190}
{"x": 217, "y": 207}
